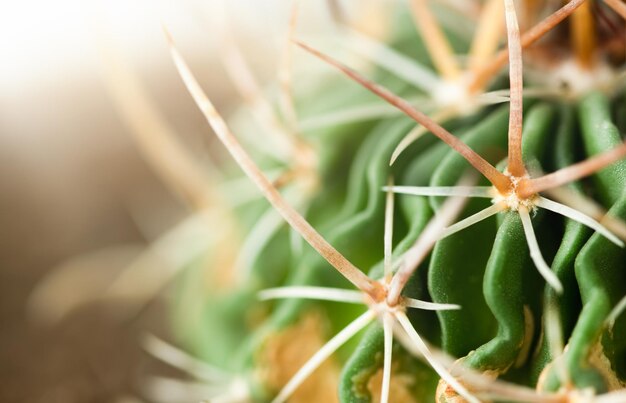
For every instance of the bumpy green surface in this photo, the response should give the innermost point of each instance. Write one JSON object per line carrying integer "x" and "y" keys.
{"x": 485, "y": 268}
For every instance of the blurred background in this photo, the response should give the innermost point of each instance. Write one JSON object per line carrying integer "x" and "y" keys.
{"x": 76, "y": 193}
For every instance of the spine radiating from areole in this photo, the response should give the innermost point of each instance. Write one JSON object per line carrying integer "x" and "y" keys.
{"x": 416, "y": 283}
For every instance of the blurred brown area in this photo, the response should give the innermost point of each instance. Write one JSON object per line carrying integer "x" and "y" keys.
{"x": 73, "y": 181}
{"x": 67, "y": 180}
{"x": 70, "y": 176}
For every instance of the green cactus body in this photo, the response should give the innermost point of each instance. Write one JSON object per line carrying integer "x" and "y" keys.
{"x": 501, "y": 330}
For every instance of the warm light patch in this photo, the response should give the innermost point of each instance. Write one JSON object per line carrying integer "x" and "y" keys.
{"x": 446, "y": 394}
{"x": 529, "y": 330}
{"x": 287, "y": 351}
{"x": 599, "y": 361}
{"x": 400, "y": 387}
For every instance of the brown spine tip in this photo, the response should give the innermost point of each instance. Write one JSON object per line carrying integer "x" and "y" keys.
{"x": 516, "y": 165}
{"x": 618, "y": 6}
{"x": 436, "y": 42}
{"x": 583, "y": 34}
{"x": 250, "y": 168}
{"x": 497, "y": 178}
{"x": 490, "y": 69}
{"x": 572, "y": 172}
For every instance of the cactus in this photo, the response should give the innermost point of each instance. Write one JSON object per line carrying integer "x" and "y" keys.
{"x": 418, "y": 280}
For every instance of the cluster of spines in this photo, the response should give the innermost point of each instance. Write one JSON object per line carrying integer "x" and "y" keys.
{"x": 513, "y": 189}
